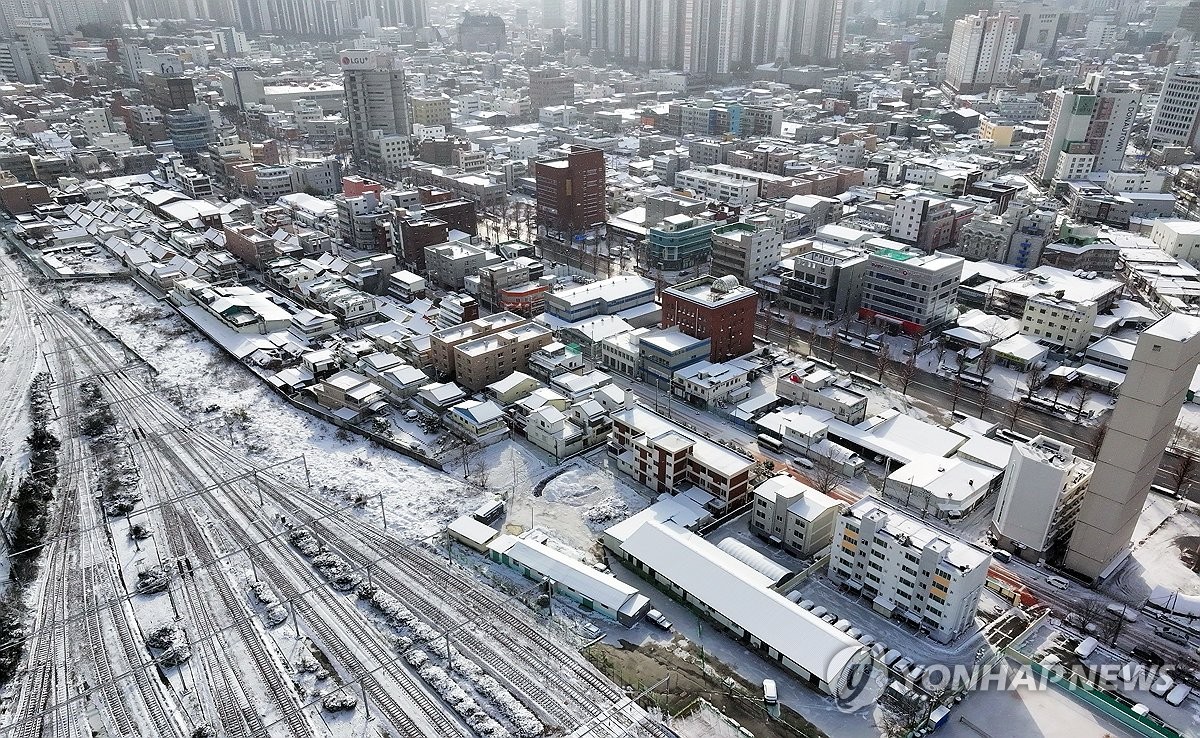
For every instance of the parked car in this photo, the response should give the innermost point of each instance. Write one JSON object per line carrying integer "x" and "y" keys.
{"x": 1144, "y": 654}
{"x": 1162, "y": 685}
{"x": 1058, "y": 582}
{"x": 770, "y": 693}
{"x": 1001, "y": 555}
{"x": 658, "y": 619}
{"x": 1124, "y": 611}
{"x": 1171, "y": 633}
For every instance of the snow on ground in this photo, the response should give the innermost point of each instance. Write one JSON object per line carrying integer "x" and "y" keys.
{"x": 419, "y": 500}
{"x": 584, "y": 497}
{"x": 1155, "y": 560}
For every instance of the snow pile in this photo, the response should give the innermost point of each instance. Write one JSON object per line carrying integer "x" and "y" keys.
{"x": 171, "y": 642}
{"x": 339, "y": 700}
{"x": 608, "y": 509}
{"x": 153, "y": 579}
{"x": 275, "y": 614}
{"x": 341, "y": 577}
{"x": 526, "y": 723}
{"x": 462, "y": 703}
{"x": 306, "y": 543}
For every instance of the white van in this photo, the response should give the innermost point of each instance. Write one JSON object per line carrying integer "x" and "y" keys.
{"x": 1173, "y": 634}
{"x": 1124, "y": 611}
{"x": 1178, "y": 694}
{"x": 1058, "y": 582}
{"x": 770, "y": 694}
{"x": 803, "y": 462}
{"x": 1162, "y": 685}
{"x": 1086, "y": 646}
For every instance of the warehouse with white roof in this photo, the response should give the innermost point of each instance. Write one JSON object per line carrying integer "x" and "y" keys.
{"x": 740, "y": 598}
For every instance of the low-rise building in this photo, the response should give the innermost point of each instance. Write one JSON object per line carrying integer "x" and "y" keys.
{"x": 479, "y": 362}
{"x": 350, "y": 395}
{"x": 739, "y": 598}
{"x": 789, "y": 513}
{"x": 476, "y": 421}
{"x": 819, "y": 387}
{"x": 719, "y": 309}
{"x": 825, "y": 280}
{"x": 593, "y": 590}
{"x": 705, "y": 384}
{"x": 605, "y": 297}
{"x": 666, "y": 457}
{"x": 907, "y": 570}
{"x": 909, "y": 291}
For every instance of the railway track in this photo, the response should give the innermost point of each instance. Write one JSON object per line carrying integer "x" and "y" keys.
{"x": 555, "y": 681}
{"x": 550, "y": 692}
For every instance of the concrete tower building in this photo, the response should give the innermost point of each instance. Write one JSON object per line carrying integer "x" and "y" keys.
{"x": 1155, "y": 386}
{"x": 981, "y": 51}
{"x": 376, "y": 98}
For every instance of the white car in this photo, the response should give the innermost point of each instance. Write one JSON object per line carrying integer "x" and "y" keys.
{"x": 1058, "y": 582}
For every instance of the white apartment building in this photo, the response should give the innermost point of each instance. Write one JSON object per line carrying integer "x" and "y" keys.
{"x": 1177, "y": 116}
{"x": 746, "y": 250}
{"x": 789, "y": 513}
{"x": 1179, "y": 238}
{"x": 981, "y": 50}
{"x": 908, "y": 570}
{"x": 1039, "y": 498}
{"x": 1092, "y": 120}
{"x": 910, "y": 290}
{"x": 709, "y": 185}
{"x": 1060, "y": 323}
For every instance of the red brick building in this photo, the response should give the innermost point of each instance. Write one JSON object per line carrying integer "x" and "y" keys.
{"x": 570, "y": 191}
{"x": 716, "y": 308}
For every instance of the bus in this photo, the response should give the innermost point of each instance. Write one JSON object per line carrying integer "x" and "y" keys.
{"x": 767, "y": 440}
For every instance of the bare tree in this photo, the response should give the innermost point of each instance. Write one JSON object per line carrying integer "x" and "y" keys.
{"x": 883, "y": 359}
{"x": 835, "y": 342}
{"x": 789, "y": 331}
{"x": 960, "y": 362}
{"x": 956, "y": 390}
{"x": 1013, "y": 410}
{"x": 941, "y": 350}
{"x": 827, "y": 474}
{"x": 1182, "y": 470}
{"x": 984, "y": 398}
{"x": 1035, "y": 377}
{"x": 1097, "y": 439}
{"x": 907, "y": 372}
{"x": 1059, "y": 384}
{"x": 1081, "y": 401}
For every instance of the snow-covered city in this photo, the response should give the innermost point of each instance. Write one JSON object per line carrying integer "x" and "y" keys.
{"x": 600, "y": 369}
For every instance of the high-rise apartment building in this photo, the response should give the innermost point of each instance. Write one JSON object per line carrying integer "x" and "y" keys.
{"x": 1039, "y": 498}
{"x": 1039, "y": 26}
{"x": 1089, "y": 129}
{"x": 570, "y": 192}
{"x": 981, "y": 51}
{"x": 1141, "y": 425}
{"x": 1177, "y": 116}
{"x": 376, "y": 100}
{"x": 713, "y": 36}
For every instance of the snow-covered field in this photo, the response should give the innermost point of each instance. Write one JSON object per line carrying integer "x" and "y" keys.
{"x": 419, "y": 500}
{"x": 584, "y": 497}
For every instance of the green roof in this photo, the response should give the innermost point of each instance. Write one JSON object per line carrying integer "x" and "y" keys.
{"x": 894, "y": 254}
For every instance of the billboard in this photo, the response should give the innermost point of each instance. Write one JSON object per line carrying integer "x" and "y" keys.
{"x": 357, "y": 59}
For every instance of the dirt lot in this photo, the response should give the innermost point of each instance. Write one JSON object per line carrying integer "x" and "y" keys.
{"x": 641, "y": 666}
